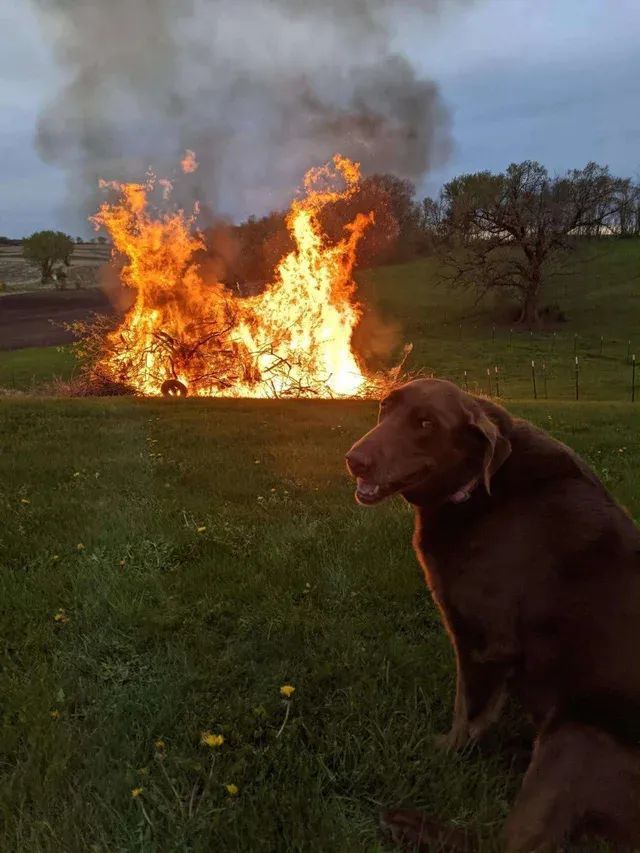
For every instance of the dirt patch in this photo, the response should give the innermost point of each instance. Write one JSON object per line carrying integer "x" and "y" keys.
{"x": 36, "y": 319}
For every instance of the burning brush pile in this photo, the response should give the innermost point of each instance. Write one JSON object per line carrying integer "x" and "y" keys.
{"x": 184, "y": 335}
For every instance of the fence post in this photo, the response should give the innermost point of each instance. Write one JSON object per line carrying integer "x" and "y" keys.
{"x": 633, "y": 378}
{"x": 466, "y": 383}
{"x": 497, "y": 381}
{"x": 577, "y": 379}
{"x": 489, "y": 381}
{"x": 533, "y": 379}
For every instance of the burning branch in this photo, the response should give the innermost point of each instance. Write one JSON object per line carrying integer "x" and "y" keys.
{"x": 291, "y": 340}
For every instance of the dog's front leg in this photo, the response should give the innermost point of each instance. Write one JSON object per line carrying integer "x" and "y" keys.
{"x": 480, "y": 697}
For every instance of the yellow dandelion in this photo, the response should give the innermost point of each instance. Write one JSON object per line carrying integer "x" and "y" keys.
{"x": 135, "y": 792}
{"x": 25, "y": 501}
{"x": 56, "y": 557}
{"x": 232, "y": 789}
{"x": 80, "y": 546}
{"x": 201, "y": 529}
{"x": 55, "y": 714}
{"x": 209, "y": 739}
{"x": 160, "y": 745}
{"x": 61, "y": 615}
{"x": 287, "y": 690}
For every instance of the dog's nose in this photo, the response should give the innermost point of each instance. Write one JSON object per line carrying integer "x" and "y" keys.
{"x": 358, "y": 462}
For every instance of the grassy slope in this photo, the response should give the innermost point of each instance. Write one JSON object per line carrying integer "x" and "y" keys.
{"x": 450, "y": 334}
{"x": 172, "y": 631}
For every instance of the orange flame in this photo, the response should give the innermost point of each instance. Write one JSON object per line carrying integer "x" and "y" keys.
{"x": 293, "y": 339}
{"x": 189, "y": 162}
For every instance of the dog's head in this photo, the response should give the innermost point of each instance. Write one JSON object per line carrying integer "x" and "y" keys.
{"x": 433, "y": 443}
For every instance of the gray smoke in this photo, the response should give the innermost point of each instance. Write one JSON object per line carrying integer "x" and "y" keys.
{"x": 260, "y": 89}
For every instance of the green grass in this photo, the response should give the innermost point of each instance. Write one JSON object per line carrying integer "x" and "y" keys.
{"x": 172, "y": 631}
{"x": 28, "y": 368}
{"x": 207, "y": 552}
{"x": 451, "y": 334}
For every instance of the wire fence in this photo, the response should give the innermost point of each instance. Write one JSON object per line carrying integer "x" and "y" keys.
{"x": 548, "y": 367}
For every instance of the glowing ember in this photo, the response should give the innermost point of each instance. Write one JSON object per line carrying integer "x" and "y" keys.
{"x": 293, "y": 339}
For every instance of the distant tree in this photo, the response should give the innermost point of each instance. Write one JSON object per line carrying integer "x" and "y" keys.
{"x": 262, "y": 243}
{"x": 79, "y": 240}
{"x": 276, "y": 245}
{"x": 628, "y": 199}
{"x": 394, "y": 232}
{"x": 46, "y": 248}
{"x": 102, "y": 240}
{"x": 431, "y": 223}
{"x": 506, "y": 230}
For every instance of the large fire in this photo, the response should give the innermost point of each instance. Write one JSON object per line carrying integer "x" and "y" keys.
{"x": 184, "y": 332}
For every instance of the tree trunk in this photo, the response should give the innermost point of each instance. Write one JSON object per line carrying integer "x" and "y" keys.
{"x": 46, "y": 268}
{"x": 530, "y": 310}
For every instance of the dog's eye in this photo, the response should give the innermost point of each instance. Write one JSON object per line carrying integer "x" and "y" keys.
{"x": 425, "y": 424}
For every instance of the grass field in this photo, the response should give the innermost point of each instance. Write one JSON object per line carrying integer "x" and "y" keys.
{"x": 31, "y": 367}
{"x": 451, "y": 334}
{"x": 165, "y": 567}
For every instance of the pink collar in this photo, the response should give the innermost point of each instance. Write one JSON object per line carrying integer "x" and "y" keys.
{"x": 464, "y": 493}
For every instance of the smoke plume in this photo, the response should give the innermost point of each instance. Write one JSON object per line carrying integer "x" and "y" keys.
{"x": 260, "y": 90}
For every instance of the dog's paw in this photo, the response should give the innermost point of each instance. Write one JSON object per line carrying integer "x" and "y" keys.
{"x": 454, "y": 740}
{"x": 415, "y": 831}
{"x": 405, "y": 827}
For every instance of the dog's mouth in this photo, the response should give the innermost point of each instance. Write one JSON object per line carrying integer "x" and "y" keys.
{"x": 370, "y": 493}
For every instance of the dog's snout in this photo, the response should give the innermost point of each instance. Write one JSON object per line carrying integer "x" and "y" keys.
{"x": 359, "y": 462}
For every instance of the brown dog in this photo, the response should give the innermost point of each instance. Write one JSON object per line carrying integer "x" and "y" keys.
{"x": 536, "y": 571}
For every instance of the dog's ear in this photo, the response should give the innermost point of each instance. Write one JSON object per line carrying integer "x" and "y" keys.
{"x": 498, "y": 447}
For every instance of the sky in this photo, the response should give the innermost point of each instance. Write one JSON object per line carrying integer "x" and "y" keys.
{"x": 552, "y": 80}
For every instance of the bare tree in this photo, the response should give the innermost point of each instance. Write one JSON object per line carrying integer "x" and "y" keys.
{"x": 507, "y": 230}
{"x": 628, "y": 201}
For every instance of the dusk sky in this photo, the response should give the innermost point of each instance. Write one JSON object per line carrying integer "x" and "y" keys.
{"x": 553, "y": 80}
